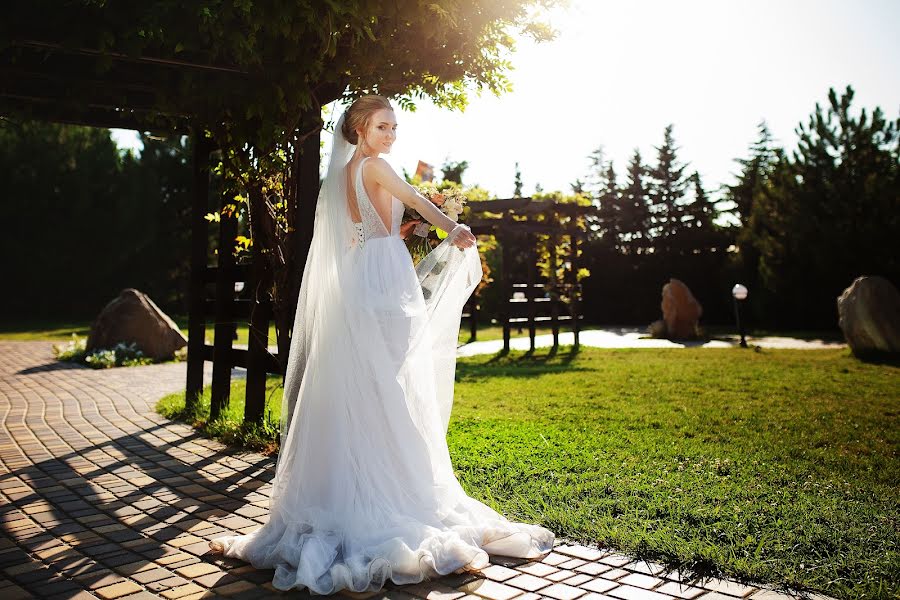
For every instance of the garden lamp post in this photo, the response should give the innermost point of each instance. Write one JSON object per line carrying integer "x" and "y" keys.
{"x": 739, "y": 293}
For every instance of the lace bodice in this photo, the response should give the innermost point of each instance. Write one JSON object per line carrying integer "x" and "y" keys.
{"x": 372, "y": 226}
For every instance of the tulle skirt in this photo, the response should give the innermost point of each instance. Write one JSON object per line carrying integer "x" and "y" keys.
{"x": 364, "y": 489}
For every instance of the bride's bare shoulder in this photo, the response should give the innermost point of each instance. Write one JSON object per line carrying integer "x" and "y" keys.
{"x": 378, "y": 167}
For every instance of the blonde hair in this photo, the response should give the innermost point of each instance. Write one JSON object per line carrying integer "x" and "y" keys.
{"x": 359, "y": 113}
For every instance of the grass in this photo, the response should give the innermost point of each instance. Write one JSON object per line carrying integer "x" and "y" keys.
{"x": 778, "y": 466}
{"x": 62, "y": 331}
{"x": 229, "y": 427}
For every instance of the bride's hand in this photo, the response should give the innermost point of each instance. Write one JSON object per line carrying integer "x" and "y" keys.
{"x": 406, "y": 228}
{"x": 464, "y": 238}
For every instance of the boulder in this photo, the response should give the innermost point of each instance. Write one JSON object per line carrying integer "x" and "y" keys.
{"x": 657, "y": 329}
{"x": 681, "y": 311}
{"x": 133, "y": 317}
{"x": 869, "y": 316}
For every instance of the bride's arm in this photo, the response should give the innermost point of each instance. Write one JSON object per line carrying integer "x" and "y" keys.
{"x": 385, "y": 176}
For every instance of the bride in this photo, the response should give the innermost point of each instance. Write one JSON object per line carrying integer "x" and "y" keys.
{"x": 364, "y": 490}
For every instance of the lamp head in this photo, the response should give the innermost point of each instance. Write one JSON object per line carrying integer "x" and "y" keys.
{"x": 739, "y": 292}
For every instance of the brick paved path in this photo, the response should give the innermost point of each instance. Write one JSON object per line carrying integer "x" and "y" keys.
{"x": 100, "y": 497}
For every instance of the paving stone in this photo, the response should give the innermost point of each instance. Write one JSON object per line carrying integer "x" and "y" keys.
{"x": 498, "y": 573}
{"x": 182, "y": 591}
{"x": 629, "y": 592}
{"x": 117, "y": 590}
{"x": 766, "y": 594}
{"x": 560, "y": 575}
{"x": 196, "y": 570}
{"x": 582, "y": 552}
{"x": 646, "y": 567}
{"x": 233, "y": 589}
{"x": 14, "y": 592}
{"x": 432, "y": 590}
{"x": 491, "y": 589}
{"x": 561, "y": 591}
{"x": 554, "y": 558}
{"x": 527, "y": 582}
{"x": 577, "y": 579}
{"x": 593, "y": 568}
{"x": 215, "y": 579}
{"x": 615, "y": 560}
{"x": 151, "y": 575}
{"x": 730, "y": 588}
{"x": 640, "y": 580}
{"x": 537, "y": 569}
{"x": 599, "y": 585}
{"x": 680, "y": 590}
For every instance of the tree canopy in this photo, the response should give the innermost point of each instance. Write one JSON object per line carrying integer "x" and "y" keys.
{"x": 264, "y": 62}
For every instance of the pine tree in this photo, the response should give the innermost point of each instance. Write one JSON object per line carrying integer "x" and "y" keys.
{"x": 667, "y": 189}
{"x": 577, "y": 187}
{"x": 634, "y": 218}
{"x": 609, "y": 200}
{"x": 754, "y": 174}
{"x": 828, "y": 214}
{"x": 594, "y": 179}
{"x": 453, "y": 171}
{"x": 753, "y": 182}
{"x": 517, "y": 191}
{"x": 699, "y": 232}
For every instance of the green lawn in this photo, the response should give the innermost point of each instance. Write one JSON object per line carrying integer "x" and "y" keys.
{"x": 777, "y": 465}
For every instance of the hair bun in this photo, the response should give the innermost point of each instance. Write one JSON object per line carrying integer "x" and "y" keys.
{"x": 356, "y": 117}
{"x": 348, "y": 132}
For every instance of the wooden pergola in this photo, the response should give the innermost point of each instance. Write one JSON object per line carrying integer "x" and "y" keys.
{"x": 42, "y": 80}
{"x": 516, "y": 223}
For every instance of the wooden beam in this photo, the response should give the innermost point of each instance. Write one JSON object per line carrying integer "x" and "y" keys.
{"x": 196, "y": 320}
{"x": 225, "y": 323}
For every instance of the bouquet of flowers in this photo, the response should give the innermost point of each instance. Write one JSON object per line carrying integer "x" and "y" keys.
{"x": 415, "y": 230}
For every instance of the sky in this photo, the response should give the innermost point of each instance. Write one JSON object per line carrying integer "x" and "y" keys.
{"x": 619, "y": 72}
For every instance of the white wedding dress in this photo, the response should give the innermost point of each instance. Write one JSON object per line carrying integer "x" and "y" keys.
{"x": 364, "y": 490}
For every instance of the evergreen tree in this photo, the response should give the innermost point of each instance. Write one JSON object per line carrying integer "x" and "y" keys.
{"x": 609, "y": 200}
{"x": 634, "y": 215}
{"x": 594, "y": 180}
{"x": 753, "y": 175}
{"x": 699, "y": 233}
{"x": 753, "y": 181}
{"x": 517, "y": 191}
{"x": 578, "y": 187}
{"x": 667, "y": 190}
{"x": 828, "y": 213}
{"x": 453, "y": 171}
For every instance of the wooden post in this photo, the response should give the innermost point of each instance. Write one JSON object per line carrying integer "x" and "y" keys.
{"x": 531, "y": 243}
{"x": 505, "y": 289}
{"x": 257, "y": 345}
{"x": 224, "y": 315}
{"x": 306, "y": 179}
{"x": 196, "y": 320}
{"x": 473, "y": 319}
{"x": 575, "y": 288}
{"x": 554, "y": 292}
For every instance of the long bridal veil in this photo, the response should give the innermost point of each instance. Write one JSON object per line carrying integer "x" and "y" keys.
{"x": 447, "y": 276}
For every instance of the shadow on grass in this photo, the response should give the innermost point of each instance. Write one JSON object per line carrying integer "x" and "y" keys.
{"x": 522, "y": 363}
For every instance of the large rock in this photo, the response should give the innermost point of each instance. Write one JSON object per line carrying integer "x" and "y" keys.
{"x": 133, "y": 317}
{"x": 869, "y": 315}
{"x": 681, "y": 311}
